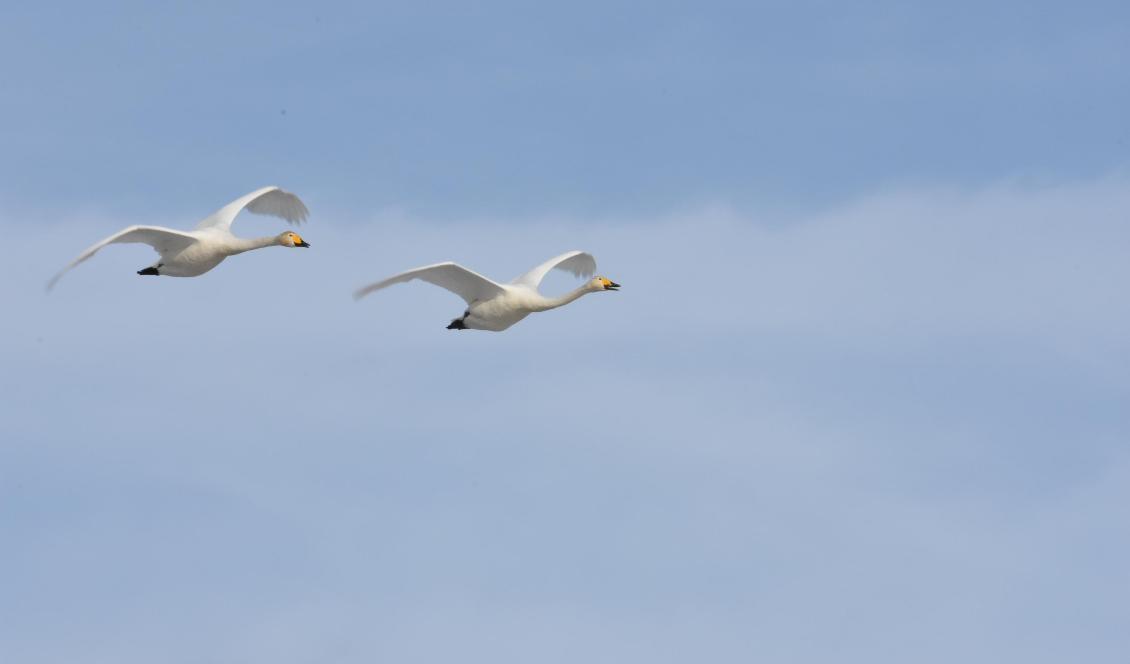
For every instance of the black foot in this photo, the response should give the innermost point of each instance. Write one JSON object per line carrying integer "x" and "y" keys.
{"x": 457, "y": 324}
{"x": 149, "y": 272}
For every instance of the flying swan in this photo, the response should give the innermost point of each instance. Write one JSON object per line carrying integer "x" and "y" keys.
{"x": 192, "y": 253}
{"x": 493, "y": 306}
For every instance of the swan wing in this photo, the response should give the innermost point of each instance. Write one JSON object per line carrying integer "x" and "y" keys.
{"x": 164, "y": 240}
{"x": 268, "y": 200}
{"x": 579, "y": 263}
{"x": 470, "y": 286}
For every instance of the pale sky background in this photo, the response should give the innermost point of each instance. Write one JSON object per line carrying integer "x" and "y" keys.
{"x": 863, "y": 397}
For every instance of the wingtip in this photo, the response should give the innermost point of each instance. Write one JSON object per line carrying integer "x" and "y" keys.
{"x": 303, "y": 213}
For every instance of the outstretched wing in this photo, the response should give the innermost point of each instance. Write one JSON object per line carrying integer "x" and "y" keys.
{"x": 268, "y": 200}
{"x": 468, "y": 285}
{"x": 164, "y": 240}
{"x": 577, "y": 262}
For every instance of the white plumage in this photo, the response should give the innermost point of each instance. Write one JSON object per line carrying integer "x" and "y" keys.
{"x": 494, "y": 306}
{"x": 192, "y": 253}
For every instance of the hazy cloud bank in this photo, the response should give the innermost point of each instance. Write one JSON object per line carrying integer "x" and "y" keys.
{"x": 894, "y": 430}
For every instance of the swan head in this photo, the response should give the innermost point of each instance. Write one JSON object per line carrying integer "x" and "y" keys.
{"x": 603, "y": 284}
{"x": 292, "y": 239}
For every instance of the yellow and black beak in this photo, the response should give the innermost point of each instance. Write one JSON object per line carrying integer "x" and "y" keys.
{"x": 612, "y": 285}
{"x": 303, "y": 243}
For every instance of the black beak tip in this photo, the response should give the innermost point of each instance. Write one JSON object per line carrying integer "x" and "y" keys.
{"x": 304, "y": 244}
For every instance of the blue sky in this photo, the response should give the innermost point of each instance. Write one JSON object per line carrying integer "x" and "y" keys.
{"x": 862, "y": 397}
{"x": 515, "y": 109}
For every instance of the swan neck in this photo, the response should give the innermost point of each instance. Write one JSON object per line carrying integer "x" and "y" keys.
{"x": 562, "y": 300}
{"x": 241, "y": 245}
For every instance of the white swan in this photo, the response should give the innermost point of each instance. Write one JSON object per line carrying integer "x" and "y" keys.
{"x": 493, "y": 306}
{"x": 192, "y": 253}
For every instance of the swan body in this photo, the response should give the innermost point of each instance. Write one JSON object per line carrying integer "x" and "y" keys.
{"x": 192, "y": 253}
{"x": 493, "y": 306}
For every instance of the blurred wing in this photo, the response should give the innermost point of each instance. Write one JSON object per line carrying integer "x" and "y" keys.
{"x": 577, "y": 262}
{"x": 468, "y": 285}
{"x": 164, "y": 240}
{"x": 268, "y": 200}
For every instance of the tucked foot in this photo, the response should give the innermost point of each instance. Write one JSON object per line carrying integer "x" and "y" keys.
{"x": 149, "y": 272}
{"x": 457, "y": 324}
